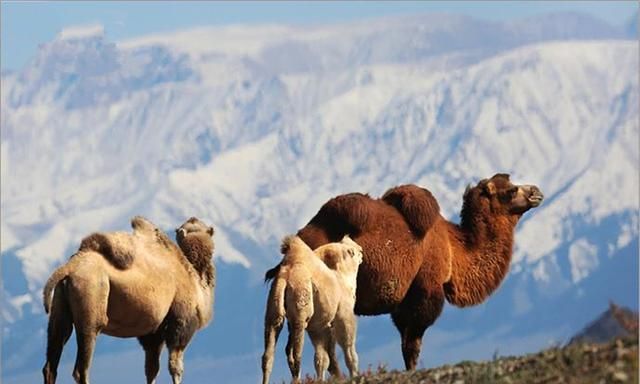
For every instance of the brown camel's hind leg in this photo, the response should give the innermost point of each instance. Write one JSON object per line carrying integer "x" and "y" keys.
{"x": 152, "y": 345}
{"x": 58, "y": 332}
{"x": 419, "y": 309}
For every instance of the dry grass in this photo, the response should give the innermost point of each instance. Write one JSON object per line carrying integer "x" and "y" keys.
{"x": 614, "y": 362}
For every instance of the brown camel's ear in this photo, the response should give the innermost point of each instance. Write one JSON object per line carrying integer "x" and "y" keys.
{"x": 467, "y": 190}
{"x": 490, "y": 188}
{"x": 210, "y": 231}
{"x": 180, "y": 233}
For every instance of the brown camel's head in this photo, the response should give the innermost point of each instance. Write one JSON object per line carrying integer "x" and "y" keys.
{"x": 503, "y": 197}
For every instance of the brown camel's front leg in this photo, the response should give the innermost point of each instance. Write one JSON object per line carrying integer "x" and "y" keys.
{"x": 419, "y": 309}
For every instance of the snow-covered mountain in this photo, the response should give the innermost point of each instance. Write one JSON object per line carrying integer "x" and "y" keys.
{"x": 253, "y": 127}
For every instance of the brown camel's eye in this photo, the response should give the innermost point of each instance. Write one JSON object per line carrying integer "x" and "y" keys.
{"x": 513, "y": 191}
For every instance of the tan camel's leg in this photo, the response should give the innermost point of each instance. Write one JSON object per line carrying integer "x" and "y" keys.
{"x": 86, "y": 344}
{"x": 271, "y": 333}
{"x": 288, "y": 349}
{"x": 300, "y": 301}
{"x": 176, "y": 364}
{"x": 58, "y": 332}
{"x": 88, "y": 298}
{"x": 273, "y": 322}
{"x": 321, "y": 340}
{"x": 345, "y": 328}
{"x": 419, "y": 309}
{"x": 296, "y": 339}
{"x": 334, "y": 365}
{"x": 152, "y": 345}
{"x": 178, "y": 333}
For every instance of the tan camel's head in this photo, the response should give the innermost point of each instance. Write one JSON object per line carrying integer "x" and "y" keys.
{"x": 193, "y": 225}
{"x": 195, "y": 239}
{"x": 502, "y": 196}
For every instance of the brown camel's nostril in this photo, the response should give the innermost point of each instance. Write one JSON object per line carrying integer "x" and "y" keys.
{"x": 536, "y": 191}
{"x": 535, "y": 196}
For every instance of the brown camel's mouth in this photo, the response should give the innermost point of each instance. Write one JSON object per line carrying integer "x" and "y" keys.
{"x": 535, "y": 199}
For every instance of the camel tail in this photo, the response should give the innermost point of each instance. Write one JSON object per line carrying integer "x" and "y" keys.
{"x": 270, "y": 274}
{"x": 417, "y": 205}
{"x": 57, "y": 276}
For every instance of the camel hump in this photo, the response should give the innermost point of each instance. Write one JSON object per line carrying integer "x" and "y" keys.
{"x": 417, "y": 205}
{"x": 146, "y": 228}
{"x": 344, "y": 214}
{"x": 141, "y": 225}
{"x": 291, "y": 241}
{"x": 116, "y": 247}
{"x": 286, "y": 244}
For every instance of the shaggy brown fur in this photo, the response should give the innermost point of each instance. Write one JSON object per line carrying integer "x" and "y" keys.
{"x": 409, "y": 275}
{"x": 160, "y": 298}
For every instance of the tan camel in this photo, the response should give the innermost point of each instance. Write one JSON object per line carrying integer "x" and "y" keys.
{"x": 314, "y": 290}
{"x": 414, "y": 258}
{"x": 132, "y": 285}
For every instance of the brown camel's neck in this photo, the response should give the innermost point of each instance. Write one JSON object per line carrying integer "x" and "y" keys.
{"x": 481, "y": 248}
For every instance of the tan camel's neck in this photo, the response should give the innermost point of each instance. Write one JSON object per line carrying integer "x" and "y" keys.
{"x": 481, "y": 246}
{"x": 198, "y": 250}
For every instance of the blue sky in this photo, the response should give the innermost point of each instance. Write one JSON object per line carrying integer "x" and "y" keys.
{"x": 26, "y": 24}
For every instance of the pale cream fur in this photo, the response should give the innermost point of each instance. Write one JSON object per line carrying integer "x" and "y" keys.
{"x": 314, "y": 290}
{"x": 133, "y": 302}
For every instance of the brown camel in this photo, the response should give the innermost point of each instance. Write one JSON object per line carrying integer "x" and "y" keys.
{"x": 414, "y": 258}
{"x": 132, "y": 285}
{"x": 315, "y": 292}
